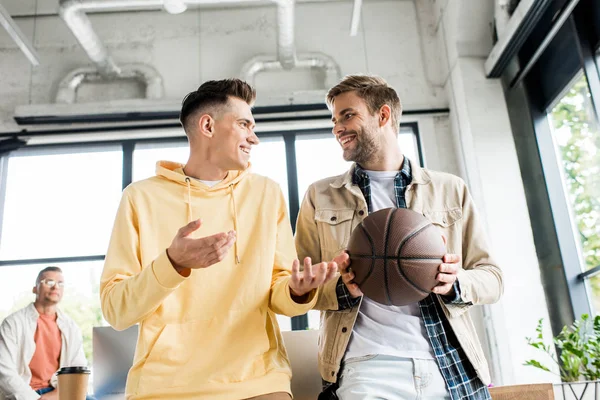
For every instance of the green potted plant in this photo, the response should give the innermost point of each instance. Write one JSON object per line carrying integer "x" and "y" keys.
{"x": 578, "y": 360}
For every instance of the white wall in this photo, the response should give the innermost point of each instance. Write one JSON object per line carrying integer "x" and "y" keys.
{"x": 431, "y": 51}
{"x": 487, "y": 156}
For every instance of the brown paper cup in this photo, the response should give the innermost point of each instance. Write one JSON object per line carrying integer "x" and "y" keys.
{"x": 72, "y": 383}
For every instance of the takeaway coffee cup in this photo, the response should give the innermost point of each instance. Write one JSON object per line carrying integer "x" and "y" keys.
{"x": 72, "y": 383}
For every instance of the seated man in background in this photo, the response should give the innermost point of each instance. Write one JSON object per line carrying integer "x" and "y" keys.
{"x": 37, "y": 341}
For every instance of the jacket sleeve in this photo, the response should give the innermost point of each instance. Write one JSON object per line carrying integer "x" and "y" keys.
{"x": 281, "y": 300}
{"x": 76, "y": 354}
{"x": 11, "y": 384}
{"x": 480, "y": 279}
{"x": 309, "y": 245}
{"x": 129, "y": 291}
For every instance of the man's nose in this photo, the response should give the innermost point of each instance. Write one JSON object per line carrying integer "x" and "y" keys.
{"x": 338, "y": 129}
{"x": 253, "y": 138}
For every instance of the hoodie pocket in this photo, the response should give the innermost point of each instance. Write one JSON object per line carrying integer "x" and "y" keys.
{"x": 225, "y": 349}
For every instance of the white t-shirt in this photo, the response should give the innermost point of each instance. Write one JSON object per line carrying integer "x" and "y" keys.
{"x": 209, "y": 183}
{"x": 380, "y": 329}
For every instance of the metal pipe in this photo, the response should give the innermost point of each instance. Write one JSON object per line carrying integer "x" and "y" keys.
{"x": 307, "y": 60}
{"x": 67, "y": 88}
{"x": 73, "y": 12}
{"x": 286, "y": 48}
{"x": 17, "y": 35}
{"x": 355, "y": 17}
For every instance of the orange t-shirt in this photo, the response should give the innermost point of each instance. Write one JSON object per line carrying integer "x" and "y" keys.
{"x": 46, "y": 359}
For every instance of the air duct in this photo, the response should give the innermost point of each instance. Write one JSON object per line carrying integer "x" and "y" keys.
{"x": 74, "y": 13}
{"x": 308, "y": 60}
{"x": 286, "y": 51}
{"x": 67, "y": 88}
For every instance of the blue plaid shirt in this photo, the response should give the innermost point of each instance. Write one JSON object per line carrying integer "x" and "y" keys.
{"x": 461, "y": 379}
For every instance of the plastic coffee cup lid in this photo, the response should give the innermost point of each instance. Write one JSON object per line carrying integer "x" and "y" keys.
{"x": 73, "y": 370}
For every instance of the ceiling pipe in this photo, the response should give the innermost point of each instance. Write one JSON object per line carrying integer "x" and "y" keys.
{"x": 67, "y": 88}
{"x": 319, "y": 61}
{"x": 74, "y": 13}
{"x": 17, "y": 35}
{"x": 356, "y": 10}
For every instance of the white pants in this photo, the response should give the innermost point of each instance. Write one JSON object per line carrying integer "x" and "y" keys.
{"x": 391, "y": 378}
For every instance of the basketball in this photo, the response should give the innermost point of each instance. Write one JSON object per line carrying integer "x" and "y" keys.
{"x": 395, "y": 254}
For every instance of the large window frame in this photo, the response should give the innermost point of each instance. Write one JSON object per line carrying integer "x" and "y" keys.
{"x": 128, "y": 147}
{"x": 543, "y": 81}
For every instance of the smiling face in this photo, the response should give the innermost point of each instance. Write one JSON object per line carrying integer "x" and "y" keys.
{"x": 233, "y": 136}
{"x": 355, "y": 128}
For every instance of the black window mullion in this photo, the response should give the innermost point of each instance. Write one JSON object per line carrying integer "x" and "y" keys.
{"x": 300, "y": 322}
{"x": 128, "y": 147}
{"x": 51, "y": 260}
{"x": 292, "y": 176}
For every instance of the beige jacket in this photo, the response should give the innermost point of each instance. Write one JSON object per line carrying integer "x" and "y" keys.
{"x": 333, "y": 207}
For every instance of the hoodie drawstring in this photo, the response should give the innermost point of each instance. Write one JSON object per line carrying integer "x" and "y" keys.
{"x": 189, "y": 193}
{"x": 235, "y": 224}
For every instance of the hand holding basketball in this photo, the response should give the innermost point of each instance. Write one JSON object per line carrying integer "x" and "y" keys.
{"x": 448, "y": 274}
{"x": 343, "y": 262}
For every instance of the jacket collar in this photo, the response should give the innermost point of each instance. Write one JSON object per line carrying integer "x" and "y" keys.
{"x": 34, "y": 314}
{"x": 420, "y": 176}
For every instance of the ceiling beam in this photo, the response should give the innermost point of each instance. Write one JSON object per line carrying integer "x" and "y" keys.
{"x": 17, "y": 35}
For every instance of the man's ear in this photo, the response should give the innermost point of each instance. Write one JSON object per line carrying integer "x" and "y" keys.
{"x": 34, "y": 290}
{"x": 385, "y": 115}
{"x": 206, "y": 125}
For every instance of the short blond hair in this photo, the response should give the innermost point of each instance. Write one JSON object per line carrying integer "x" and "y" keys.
{"x": 374, "y": 90}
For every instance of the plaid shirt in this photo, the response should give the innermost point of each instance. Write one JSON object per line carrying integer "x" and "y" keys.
{"x": 461, "y": 379}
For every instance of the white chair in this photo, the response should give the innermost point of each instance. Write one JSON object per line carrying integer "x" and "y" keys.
{"x": 302, "y": 348}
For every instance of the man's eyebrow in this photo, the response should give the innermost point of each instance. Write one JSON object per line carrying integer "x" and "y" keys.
{"x": 345, "y": 110}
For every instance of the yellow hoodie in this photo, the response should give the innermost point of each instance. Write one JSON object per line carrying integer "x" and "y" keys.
{"x": 214, "y": 334}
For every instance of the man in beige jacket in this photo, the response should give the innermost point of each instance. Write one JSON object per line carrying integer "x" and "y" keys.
{"x": 426, "y": 350}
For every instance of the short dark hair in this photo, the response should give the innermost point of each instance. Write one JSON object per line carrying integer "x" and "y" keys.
{"x": 214, "y": 94}
{"x": 47, "y": 269}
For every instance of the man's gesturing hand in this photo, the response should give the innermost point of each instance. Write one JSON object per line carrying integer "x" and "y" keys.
{"x": 312, "y": 277}
{"x": 188, "y": 253}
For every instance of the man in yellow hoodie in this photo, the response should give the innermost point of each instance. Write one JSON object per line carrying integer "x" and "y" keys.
{"x": 202, "y": 257}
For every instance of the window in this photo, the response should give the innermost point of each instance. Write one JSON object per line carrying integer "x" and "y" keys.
{"x": 320, "y": 156}
{"x": 80, "y": 301}
{"x": 577, "y": 141}
{"x": 145, "y": 156}
{"x": 60, "y": 203}
{"x": 268, "y": 159}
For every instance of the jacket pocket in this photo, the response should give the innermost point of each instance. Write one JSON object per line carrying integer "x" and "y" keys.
{"x": 449, "y": 222}
{"x": 335, "y": 227}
